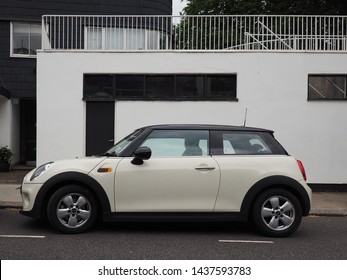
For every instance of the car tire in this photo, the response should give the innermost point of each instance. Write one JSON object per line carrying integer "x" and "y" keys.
{"x": 72, "y": 209}
{"x": 277, "y": 213}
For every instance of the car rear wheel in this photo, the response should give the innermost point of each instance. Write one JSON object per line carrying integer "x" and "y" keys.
{"x": 277, "y": 213}
{"x": 72, "y": 209}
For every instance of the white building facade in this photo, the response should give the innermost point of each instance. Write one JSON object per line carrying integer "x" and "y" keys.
{"x": 298, "y": 92}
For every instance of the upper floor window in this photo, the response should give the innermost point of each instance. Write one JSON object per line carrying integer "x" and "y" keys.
{"x": 97, "y": 38}
{"x": 25, "y": 39}
{"x": 327, "y": 87}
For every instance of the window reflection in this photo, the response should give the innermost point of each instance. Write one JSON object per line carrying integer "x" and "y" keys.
{"x": 160, "y": 87}
{"x": 113, "y": 38}
{"x": 26, "y": 38}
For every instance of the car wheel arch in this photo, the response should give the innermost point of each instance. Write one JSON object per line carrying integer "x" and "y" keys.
{"x": 70, "y": 178}
{"x": 272, "y": 182}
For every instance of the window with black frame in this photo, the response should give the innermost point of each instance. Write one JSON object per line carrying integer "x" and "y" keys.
{"x": 129, "y": 86}
{"x": 98, "y": 87}
{"x": 189, "y": 86}
{"x": 327, "y": 87}
{"x": 160, "y": 87}
{"x": 220, "y": 86}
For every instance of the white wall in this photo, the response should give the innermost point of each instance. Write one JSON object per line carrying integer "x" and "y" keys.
{"x": 272, "y": 86}
{"x": 5, "y": 121}
{"x": 9, "y": 125}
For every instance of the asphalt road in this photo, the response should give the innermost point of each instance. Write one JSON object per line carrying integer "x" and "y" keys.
{"x": 25, "y": 238}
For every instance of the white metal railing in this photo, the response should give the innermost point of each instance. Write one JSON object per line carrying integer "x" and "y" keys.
{"x": 202, "y": 33}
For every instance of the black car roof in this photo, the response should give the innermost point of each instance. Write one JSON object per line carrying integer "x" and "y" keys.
{"x": 208, "y": 127}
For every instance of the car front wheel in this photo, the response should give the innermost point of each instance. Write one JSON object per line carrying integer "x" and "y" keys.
{"x": 277, "y": 213}
{"x": 72, "y": 209}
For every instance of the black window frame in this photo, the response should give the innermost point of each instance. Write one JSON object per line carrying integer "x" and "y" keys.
{"x": 309, "y": 98}
{"x": 202, "y": 95}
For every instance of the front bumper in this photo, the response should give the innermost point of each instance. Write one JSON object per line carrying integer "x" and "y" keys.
{"x": 29, "y": 193}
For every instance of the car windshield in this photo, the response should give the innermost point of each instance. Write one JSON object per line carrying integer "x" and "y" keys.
{"x": 122, "y": 144}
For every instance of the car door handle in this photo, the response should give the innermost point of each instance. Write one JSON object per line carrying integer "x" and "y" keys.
{"x": 205, "y": 168}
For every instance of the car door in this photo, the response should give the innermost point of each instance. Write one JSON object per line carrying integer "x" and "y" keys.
{"x": 180, "y": 176}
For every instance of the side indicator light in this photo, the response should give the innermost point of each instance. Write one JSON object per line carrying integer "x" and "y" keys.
{"x": 105, "y": 169}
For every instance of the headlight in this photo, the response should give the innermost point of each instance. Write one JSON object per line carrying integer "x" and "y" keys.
{"x": 40, "y": 170}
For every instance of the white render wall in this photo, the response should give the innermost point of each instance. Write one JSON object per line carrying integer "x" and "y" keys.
{"x": 9, "y": 125}
{"x": 272, "y": 86}
{"x": 5, "y": 121}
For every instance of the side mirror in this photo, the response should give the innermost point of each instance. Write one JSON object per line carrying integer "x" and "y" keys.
{"x": 141, "y": 154}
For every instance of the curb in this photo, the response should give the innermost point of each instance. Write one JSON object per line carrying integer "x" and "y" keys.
{"x": 328, "y": 212}
{"x": 328, "y": 187}
{"x": 313, "y": 212}
{"x": 6, "y": 204}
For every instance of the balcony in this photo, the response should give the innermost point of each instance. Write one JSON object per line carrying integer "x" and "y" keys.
{"x": 195, "y": 33}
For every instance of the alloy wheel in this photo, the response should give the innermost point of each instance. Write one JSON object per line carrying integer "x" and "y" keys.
{"x": 73, "y": 210}
{"x": 278, "y": 213}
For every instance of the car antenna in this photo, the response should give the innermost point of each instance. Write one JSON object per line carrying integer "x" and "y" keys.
{"x": 245, "y": 120}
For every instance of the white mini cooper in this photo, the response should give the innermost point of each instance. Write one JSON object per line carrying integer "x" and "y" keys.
{"x": 175, "y": 172}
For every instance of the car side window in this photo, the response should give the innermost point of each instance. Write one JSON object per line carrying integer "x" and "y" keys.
{"x": 240, "y": 143}
{"x": 177, "y": 143}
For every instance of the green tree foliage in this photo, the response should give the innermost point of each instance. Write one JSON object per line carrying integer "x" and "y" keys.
{"x": 266, "y": 7}
{"x": 271, "y": 31}
{"x": 306, "y": 7}
{"x": 223, "y": 7}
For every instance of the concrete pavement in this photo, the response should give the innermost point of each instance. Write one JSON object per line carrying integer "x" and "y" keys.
{"x": 323, "y": 203}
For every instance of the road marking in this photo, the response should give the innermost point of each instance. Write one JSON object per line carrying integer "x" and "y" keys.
{"x": 247, "y": 241}
{"x": 22, "y": 236}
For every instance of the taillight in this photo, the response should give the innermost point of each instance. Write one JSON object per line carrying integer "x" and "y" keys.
{"x": 302, "y": 169}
